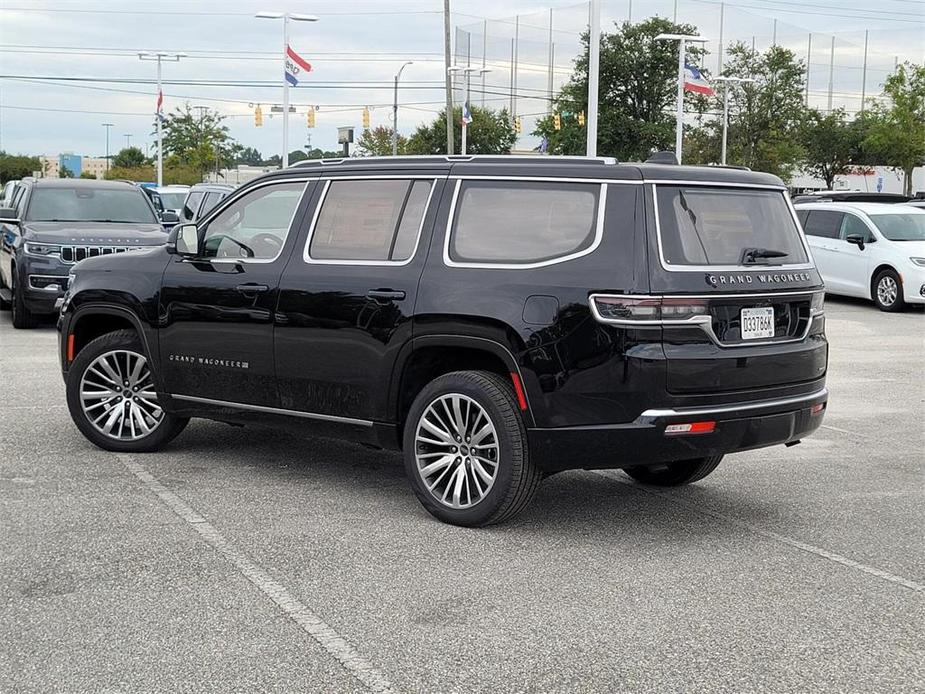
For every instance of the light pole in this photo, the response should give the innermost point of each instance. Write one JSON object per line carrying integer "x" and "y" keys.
{"x": 594, "y": 71}
{"x": 128, "y": 140}
{"x": 158, "y": 116}
{"x": 395, "y": 109}
{"x": 107, "y": 126}
{"x": 683, "y": 40}
{"x": 726, "y": 81}
{"x": 467, "y": 114}
{"x": 286, "y": 17}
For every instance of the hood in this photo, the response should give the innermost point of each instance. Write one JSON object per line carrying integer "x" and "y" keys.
{"x": 97, "y": 233}
{"x": 912, "y": 249}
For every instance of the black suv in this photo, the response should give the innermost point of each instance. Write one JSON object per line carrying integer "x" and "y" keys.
{"x": 54, "y": 223}
{"x": 498, "y": 319}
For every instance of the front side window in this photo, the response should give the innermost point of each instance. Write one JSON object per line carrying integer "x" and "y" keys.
{"x": 703, "y": 225}
{"x": 88, "y": 204}
{"x": 907, "y": 226}
{"x": 256, "y": 225}
{"x": 523, "y": 222}
{"x": 855, "y": 226}
{"x": 369, "y": 220}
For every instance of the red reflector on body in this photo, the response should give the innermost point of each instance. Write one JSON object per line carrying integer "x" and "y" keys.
{"x": 690, "y": 428}
{"x": 817, "y": 408}
{"x": 70, "y": 348}
{"x": 519, "y": 391}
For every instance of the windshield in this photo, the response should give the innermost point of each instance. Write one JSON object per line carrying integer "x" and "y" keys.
{"x": 86, "y": 204}
{"x": 702, "y": 225}
{"x": 173, "y": 201}
{"x": 901, "y": 227}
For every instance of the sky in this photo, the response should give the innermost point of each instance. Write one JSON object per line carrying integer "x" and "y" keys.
{"x": 355, "y": 48}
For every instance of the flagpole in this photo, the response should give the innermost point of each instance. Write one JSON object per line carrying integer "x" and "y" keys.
{"x": 285, "y": 157}
{"x": 679, "y": 115}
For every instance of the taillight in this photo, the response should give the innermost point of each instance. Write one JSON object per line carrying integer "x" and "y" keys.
{"x": 613, "y": 308}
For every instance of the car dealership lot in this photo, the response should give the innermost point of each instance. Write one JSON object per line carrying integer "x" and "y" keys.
{"x": 251, "y": 560}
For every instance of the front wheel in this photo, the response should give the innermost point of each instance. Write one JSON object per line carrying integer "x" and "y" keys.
{"x": 22, "y": 317}
{"x": 466, "y": 452}
{"x": 675, "y": 474}
{"x": 888, "y": 291}
{"x": 111, "y": 396}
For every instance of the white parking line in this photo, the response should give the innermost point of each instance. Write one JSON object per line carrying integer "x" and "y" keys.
{"x": 298, "y": 612}
{"x": 812, "y": 549}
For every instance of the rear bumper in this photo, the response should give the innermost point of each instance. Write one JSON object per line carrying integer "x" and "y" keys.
{"x": 739, "y": 427}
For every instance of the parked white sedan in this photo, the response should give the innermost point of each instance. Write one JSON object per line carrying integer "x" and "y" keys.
{"x": 869, "y": 250}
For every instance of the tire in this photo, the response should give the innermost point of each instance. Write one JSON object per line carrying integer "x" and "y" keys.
{"x": 4, "y": 305}
{"x": 675, "y": 474}
{"x": 887, "y": 291}
{"x": 22, "y": 317}
{"x": 489, "y": 408}
{"x": 99, "y": 374}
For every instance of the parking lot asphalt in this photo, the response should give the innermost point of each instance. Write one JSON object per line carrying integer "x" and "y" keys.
{"x": 253, "y": 560}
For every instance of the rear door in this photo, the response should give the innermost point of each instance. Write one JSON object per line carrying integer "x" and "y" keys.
{"x": 739, "y": 290}
{"x": 822, "y": 229}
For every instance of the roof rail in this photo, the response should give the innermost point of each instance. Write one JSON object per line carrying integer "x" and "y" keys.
{"x": 457, "y": 158}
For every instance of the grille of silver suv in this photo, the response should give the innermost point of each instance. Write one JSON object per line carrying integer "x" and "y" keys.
{"x": 73, "y": 254}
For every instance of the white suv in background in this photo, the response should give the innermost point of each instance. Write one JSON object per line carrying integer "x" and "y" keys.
{"x": 869, "y": 250}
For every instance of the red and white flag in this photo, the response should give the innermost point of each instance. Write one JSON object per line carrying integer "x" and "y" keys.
{"x": 295, "y": 65}
{"x": 694, "y": 81}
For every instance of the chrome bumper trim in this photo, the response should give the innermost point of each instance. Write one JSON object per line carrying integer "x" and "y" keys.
{"x": 649, "y": 415}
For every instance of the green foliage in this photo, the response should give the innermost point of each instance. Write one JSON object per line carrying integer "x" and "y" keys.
{"x": 378, "y": 142}
{"x": 141, "y": 174}
{"x": 895, "y": 133}
{"x": 129, "y": 157}
{"x": 831, "y": 143}
{"x": 14, "y": 166}
{"x": 64, "y": 172}
{"x": 249, "y": 156}
{"x": 490, "y": 132}
{"x": 88, "y": 175}
{"x": 638, "y": 88}
{"x": 198, "y": 140}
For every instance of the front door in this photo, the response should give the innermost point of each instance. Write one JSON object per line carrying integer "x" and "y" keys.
{"x": 216, "y": 310}
{"x": 347, "y": 295}
{"x": 852, "y": 262}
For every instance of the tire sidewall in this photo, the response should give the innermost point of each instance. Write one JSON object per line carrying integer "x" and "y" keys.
{"x": 512, "y": 446}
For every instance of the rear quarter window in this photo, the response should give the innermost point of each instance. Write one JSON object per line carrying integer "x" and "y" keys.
{"x": 523, "y": 223}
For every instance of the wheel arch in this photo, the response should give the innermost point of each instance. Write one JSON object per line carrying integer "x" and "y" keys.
{"x": 91, "y": 321}
{"x": 873, "y": 278}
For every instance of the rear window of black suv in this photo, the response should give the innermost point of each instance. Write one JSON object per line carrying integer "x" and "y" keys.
{"x": 524, "y": 223}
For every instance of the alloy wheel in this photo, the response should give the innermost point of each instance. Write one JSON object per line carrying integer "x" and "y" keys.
{"x": 118, "y": 398}
{"x": 457, "y": 450}
{"x": 887, "y": 290}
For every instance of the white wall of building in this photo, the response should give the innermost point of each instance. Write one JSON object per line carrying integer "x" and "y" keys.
{"x": 892, "y": 181}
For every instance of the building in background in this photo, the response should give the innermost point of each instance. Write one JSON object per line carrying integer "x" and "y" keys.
{"x": 75, "y": 163}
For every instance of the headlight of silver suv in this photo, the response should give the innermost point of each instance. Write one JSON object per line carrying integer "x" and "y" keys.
{"x": 42, "y": 249}
{"x": 918, "y": 261}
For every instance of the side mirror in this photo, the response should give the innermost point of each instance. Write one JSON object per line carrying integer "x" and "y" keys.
{"x": 856, "y": 239}
{"x": 183, "y": 240}
{"x": 170, "y": 217}
{"x": 8, "y": 215}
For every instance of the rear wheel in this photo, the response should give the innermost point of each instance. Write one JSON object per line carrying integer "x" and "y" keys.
{"x": 466, "y": 452}
{"x": 888, "y": 291}
{"x": 675, "y": 474}
{"x": 111, "y": 396}
{"x": 22, "y": 316}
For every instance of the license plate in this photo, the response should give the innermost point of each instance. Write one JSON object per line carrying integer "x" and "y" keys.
{"x": 757, "y": 323}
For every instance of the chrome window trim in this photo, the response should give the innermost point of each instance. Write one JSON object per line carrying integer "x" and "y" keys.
{"x": 727, "y": 268}
{"x": 546, "y": 179}
{"x": 275, "y": 410}
{"x": 373, "y": 177}
{"x": 231, "y": 199}
{"x": 598, "y": 232}
{"x": 704, "y": 323}
{"x": 648, "y": 415}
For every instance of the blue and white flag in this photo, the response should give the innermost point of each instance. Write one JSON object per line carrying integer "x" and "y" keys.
{"x": 467, "y": 114}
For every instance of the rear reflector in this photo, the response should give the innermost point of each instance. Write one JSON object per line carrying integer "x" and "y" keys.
{"x": 519, "y": 391}
{"x": 817, "y": 408}
{"x": 690, "y": 428}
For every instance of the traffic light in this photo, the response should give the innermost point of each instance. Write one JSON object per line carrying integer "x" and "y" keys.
{"x": 258, "y": 116}
{"x": 366, "y": 118}
{"x": 581, "y": 118}
{"x": 518, "y": 125}
{"x": 311, "y": 117}
{"x": 557, "y": 121}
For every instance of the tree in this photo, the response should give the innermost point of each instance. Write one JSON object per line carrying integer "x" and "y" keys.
{"x": 490, "y": 132}
{"x": 14, "y": 166}
{"x": 129, "y": 157}
{"x": 87, "y": 174}
{"x": 198, "y": 140}
{"x": 832, "y": 144}
{"x": 896, "y": 132}
{"x": 136, "y": 173}
{"x": 249, "y": 156}
{"x": 638, "y": 87}
{"x": 765, "y": 116}
{"x": 378, "y": 142}
{"x": 64, "y": 172}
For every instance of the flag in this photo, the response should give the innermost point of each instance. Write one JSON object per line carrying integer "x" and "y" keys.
{"x": 295, "y": 64}
{"x": 159, "y": 113}
{"x": 467, "y": 114}
{"x": 544, "y": 145}
{"x": 694, "y": 81}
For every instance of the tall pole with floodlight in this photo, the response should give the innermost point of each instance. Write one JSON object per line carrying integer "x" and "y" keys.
{"x": 726, "y": 81}
{"x": 395, "y": 109}
{"x": 175, "y": 58}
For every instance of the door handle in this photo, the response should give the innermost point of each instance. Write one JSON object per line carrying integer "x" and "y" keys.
{"x": 252, "y": 288}
{"x": 385, "y": 295}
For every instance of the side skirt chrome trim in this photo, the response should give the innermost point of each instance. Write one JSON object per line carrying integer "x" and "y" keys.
{"x": 275, "y": 410}
{"x": 648, "y": 415}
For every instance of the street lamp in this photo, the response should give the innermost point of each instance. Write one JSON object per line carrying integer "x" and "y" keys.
{"x": 286, "y": 17}
{"x": 683, "y": 40}
{"x": 467, "y": 116}
{"x": 107, "y": 126}
{"x": 726, "y": 81}
{"x": 395, "y": 109}
{"x": 128, "y": 139}
{"x": 174, "y": 58}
